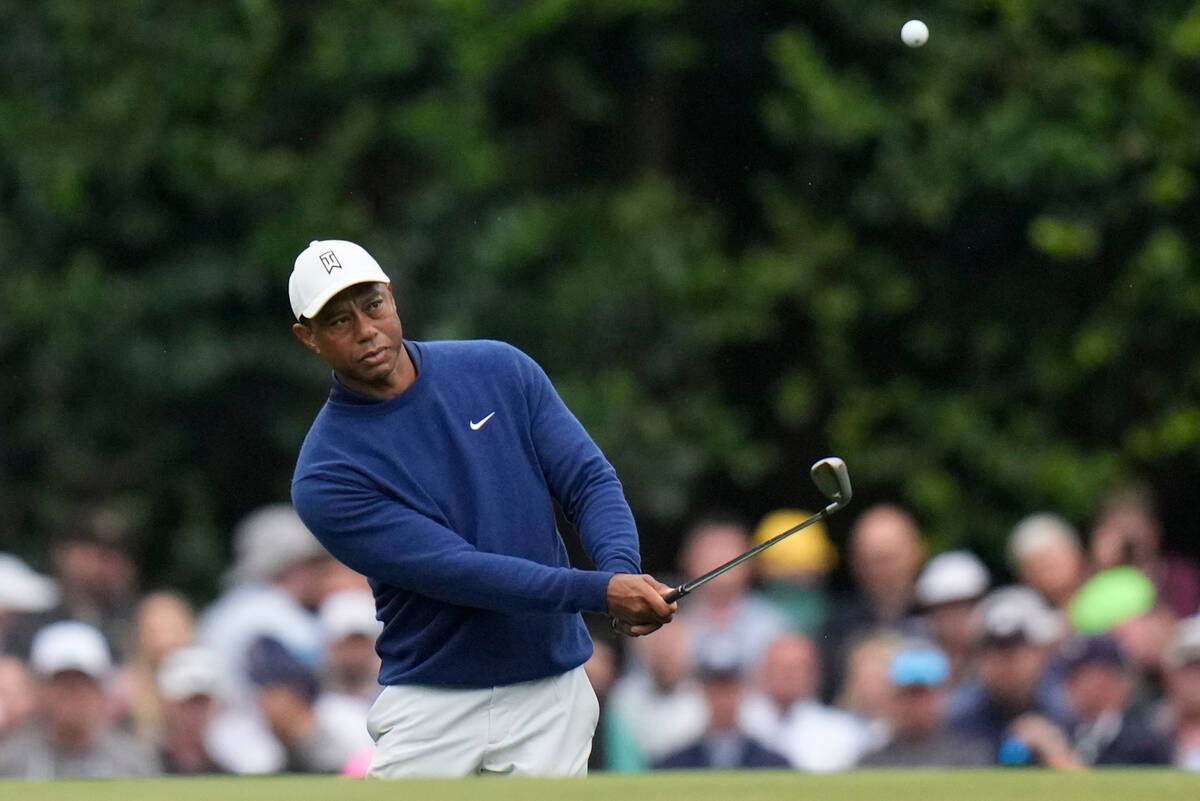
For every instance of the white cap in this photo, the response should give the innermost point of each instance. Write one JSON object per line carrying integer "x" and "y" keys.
{"x": 1037, "y": 531}
{"x": 325, "y": 268}
{"x": 1184, "y": 648}
{"x": 1017, "y": 613}
{"x": 70, "y": 645}
{"x": 189, "y": 671}
{"x": 349, "y": 612}
{"x": 952, "y": 576}
{"x": 269, "y": 540}
{"x": 23, "y": 590}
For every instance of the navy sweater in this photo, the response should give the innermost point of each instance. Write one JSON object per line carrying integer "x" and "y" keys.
{"x": 443, "y": 497}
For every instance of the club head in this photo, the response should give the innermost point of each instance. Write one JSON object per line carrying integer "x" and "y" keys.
{"x": 833, "y": 480}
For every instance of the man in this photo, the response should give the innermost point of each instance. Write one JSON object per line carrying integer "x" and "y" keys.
{"x": 947, "y": 591}
{"x": 189, "y": 684}
{"x": 97, "y": 580}
{"x": 657, "y": 706}
{"x": 349, "y": 670}
{"x": 1129, "y": 532}
{"x": 886, "y": 553}
{"x": 23, "y": 592}
{"x": 783, "y": 711}
{"x": 1046, "y": 554}
{"x": 724, "y": 745}
{"x": 729, "y": 621}
{"x": 795, "y": 571}
{"x": 920, "y": 737}
{"x": 433, "y": 469}
{"x": 72, "y": 738}
{"x": 276, "y": 587}
{"x": 1015, "y": 631}
{"x": 287, "y": 695}
{"x": 1109, "y": 729}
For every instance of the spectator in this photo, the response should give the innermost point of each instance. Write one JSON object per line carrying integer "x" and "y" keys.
{"x": 783, "y": 710}
{"x": 1128, "y": 532}
{"x": 349, "y": 675}
{"x": 1183, "y": 694}
{"x": 1014, "y": 631}
{"x": 164, "y": 622}
{"x": 287, "y": 696}
{"x": 22, "y": 592}
{"x": 1047, "y": 556}
{"x": 1121, "y": 601}
{"x": 947, "y": 590}
{"x": 276, "y": 589}
{"x": 18, "y": 695}
{"x": 1146, "y": 638}
{"x": 794, "y": 570}
{"x": 658, "y": 701}
{"x": 723, "y": 745}
{"x": 885, "y": 556}
{"x": 72, "y": 737}
{"x": 349, "y": 628}
{"x": 727, "y": 619}
{"x": 867, "y": 691}
{"x": 97, "y": 578}
{"x": 188, "y": 682}
{"x": 1108, "y": 730}
{"x": 920, "y": 736}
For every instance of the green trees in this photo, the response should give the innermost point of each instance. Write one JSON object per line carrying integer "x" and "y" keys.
{"x": 738, "y": 236}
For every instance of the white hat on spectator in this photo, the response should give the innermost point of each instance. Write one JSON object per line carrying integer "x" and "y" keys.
{"x": 22, "y": 589}
{"x": 187, "y": 672}
{"x": 70, "y": 645}
{"x": 1184, "y": 648}
{"x": 952, "y": 576}
{"x": 1037, "y": 531}
{"x": 349, "y": 612}
{"x": 268, "y": 541}
{"x": 1017, "y": 614}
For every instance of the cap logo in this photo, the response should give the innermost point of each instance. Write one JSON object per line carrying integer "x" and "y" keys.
{"x": 329, "y": 261}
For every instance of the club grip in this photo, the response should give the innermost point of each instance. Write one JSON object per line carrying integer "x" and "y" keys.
{"x": 674, "y": 595}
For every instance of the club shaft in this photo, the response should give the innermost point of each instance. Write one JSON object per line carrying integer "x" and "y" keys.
{"x": 684, "y": 589}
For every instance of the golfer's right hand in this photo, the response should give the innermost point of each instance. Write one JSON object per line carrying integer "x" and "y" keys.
{"x": 636, "y": 603}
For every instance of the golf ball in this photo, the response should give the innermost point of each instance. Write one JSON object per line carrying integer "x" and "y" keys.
{"x": 914, "y": 33}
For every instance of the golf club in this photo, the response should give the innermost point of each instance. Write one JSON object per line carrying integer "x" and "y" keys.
{"x": 831, "y": 478}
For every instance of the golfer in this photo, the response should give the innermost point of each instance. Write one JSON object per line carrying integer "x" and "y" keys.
{"x": 432, "y": 469}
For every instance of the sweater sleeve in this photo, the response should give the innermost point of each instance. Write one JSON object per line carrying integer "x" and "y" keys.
{"x": 388, "y": 541}
{"x": 580, "y": 478}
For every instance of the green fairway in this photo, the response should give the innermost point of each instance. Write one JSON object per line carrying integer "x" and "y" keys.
{"x": 1000, "y": 785}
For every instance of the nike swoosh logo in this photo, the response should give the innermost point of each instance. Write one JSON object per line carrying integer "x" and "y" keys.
{"x": 476, "y": 426}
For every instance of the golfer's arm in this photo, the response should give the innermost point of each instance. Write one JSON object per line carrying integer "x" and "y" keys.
{"x": 388, "y": 541}
{"x": 581, "y": 478}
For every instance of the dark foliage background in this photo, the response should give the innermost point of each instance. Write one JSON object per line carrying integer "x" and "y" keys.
{"x": 739, "y": 236}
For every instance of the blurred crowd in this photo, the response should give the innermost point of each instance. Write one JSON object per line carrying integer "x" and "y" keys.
{"x": 1089, "y": 655}
{"x": 98, "y": 679}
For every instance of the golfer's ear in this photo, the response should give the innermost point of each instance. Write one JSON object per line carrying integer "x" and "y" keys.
{"x": 305, "y": 335}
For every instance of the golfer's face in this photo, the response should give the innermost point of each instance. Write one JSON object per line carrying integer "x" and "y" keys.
{"x": 359, "y": 334}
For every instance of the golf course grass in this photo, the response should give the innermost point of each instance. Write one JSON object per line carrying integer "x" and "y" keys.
{"x": 973, "y": 785}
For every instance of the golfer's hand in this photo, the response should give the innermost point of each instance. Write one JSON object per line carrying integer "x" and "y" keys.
{"x": 636, "y": 604}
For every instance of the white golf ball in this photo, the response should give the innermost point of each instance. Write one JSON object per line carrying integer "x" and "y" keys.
{"x": 914, "y": 33}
